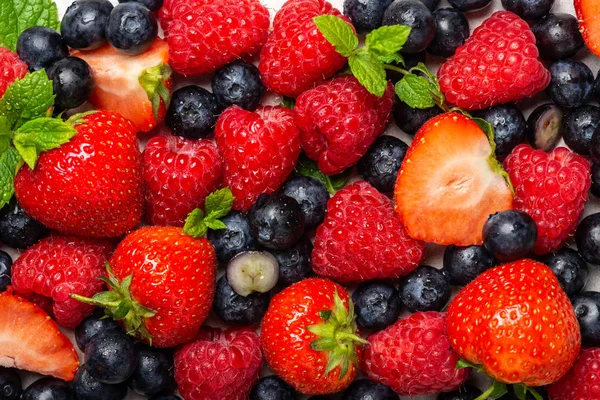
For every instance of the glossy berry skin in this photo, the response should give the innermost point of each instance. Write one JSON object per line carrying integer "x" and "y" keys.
{"x": 557, "y": 36}
{"x": 10, "y": 384}
{"x": 509, "y": 126}
{"x": 91, "y": 326}
{"x": 152, "y": 5}
{"x": 469, "y": 5}
{"x": 587, "y": 238}
{"x": 294, "y": 263}
{"x": 580, "y": 124}
{"x": 377, "y": 305}
{"x": 276, "y": 221}
{"x": 418, "y": 17}
{"x": 87, "y": 387}
{"x": 166, "y": 397}
{"x": 312, "y": 197}
{"x": 17, "y": 229}
{"x": 192, "y": 113}
{"x": 11, "y": 68}
{"x": 509, "y": 235}
{"x": 110, "y": 357}
{"x": 365, "y": 389}
{"x": 572, "y": 83}
{"x": 381, "y": 163}
{"x": 545, "y": 127}
{"x": 452, "y": 29}
{"x": 72, "y": 81}
{"x": 40, "y": 47}
{"x": 570, "y": 269}
{"x": 238, "y": 84}
{"x": 84, "y": 24}
{"x": 463, "y": 264}
{"x": 581, "y": 382}
{"x": 410, "y": 120}
{"x": 238, "y": 310}
{"x": 6, "y": 263}
{"x": 595, "y": 172}
{"x": 131, "y": 28}
{"x": 466, "y": 392}
{"x": 528, "y": 9}
{"x": 587, "y": 309}
{"x": 425, "y": 289}
{"x": 595, "y": 147}
{"x": 365, "y": 15}
{"x": 48, "y": 388}
{"x": 154, "y": 372}
{"x": 272, "y": 387}
{"x": 234, "y": 239}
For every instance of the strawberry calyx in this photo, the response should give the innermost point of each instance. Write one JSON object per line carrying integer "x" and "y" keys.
{"x": 152, "y": 80}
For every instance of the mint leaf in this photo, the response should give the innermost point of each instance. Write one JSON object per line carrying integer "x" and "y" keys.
{"x": 435, "y": 88}
{"x": 215, "y": 224}
{"x": 415, "y": 91}
{"x": 5, "y": 134}
{"x": 369, "y": 71}
{"x": 307, "y": 167}
{"x": 395, "y": 58}
{"x": 337, "y": 32}
{"x": 18, "y": 15}
{"x": 217, "y": 205}
{"x": 39, "y": 135}
{"x": 28, "y": 98}
{"x": 194, "y": 225}
{"x": 9, "y": 161}
{"x": 387, "y": 40}
{"x": 288, "y": 102}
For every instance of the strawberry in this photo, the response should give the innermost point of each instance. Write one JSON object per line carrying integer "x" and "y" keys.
{"x": 138, "y": 87}
{"x": 497, "y": 64}
{"x": 309, "y": 338}
{"x": 90, "y": 186}
{"x": 54, "y": 268}
{"x": 588, "y": 14}
{"x": 350, "y": 247}
{"x": 450, "y": 182}
{"x": 338, "y": 136}
{"x": 515, "y": 323}
{"x": 427, "y": 364}
{"x": 32, "y": 341}
{"x": 582, "y": 382}
{"x": 297, "y": 56}
{"x": 179, "y": 173}
{"x": 11, "y": 69}
{"x": 552, "y": 188}
{"x": 259, "y": 150}
{"x": 218, "y": 364}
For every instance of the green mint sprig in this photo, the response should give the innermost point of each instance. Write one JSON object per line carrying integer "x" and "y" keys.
{"x": 217, "y": 205}
{"x": 307, "y": 167}
{"x": 28, "y": 98}
{"x": 18, "y": 15}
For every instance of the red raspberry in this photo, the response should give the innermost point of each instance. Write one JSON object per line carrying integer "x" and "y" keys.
{"x": 497, "y": 64}
{"x": 205, "y": 35}
{"x": 362, "y": 238}
{"x": 179, "y": 174}
{"x": 297, "y": 56}
{"x": 582, "y": 382}
{"x": 552, "y": 188}
{"x": 51, "y": 270}
{"x": 11, "y": 68}
{"x": 414, "y": 356}
{"x": 259, "y": 149}
{"x": 218, "y": 364}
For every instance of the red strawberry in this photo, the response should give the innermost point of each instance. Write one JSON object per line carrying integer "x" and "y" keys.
{"x": 90, "y": 186}
{"x": 259, "y": 150}
{"x": 552, "y": 188}
{"x": 497, "y": 64}
{"x": 218, "y": 364}
{"x": 138, "y": 87}
{"x": 582, "y": 382}
{"x": 309, "y": 338}
{"x": 338, "y": 121}
{"x": 588, "y": 14}
{"x": 179, "y": 174}
{"x": 517, "y": 323}
{"x": 297, "y": 56}
{"x": 58, "y": 266}
{"x": 11, "y": 68}
{"x": 32, "y": 341}
{"x": 206, "y": 35}
{"x": 362, "y": 238}
{"x": 413, "y": 356}
{"x": 450, "y": 182}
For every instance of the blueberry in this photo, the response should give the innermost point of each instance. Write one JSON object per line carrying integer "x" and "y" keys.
{"x": 595, "y": 146}
{"x": 272, "y": 387}
{"x": 597, "y": 87}
{"x": 528, "y": 9}
{"x": 86, "y": 387}
{"x": 587, "y": 238}
{"x": 377, "y": 305}
{"x": 5, "y": 270}
{"x": 366, "y": 389}
{"x": 509, "y": 126}
{"x": 131, "y": 28}
{"x": 452, "y": 30}
{"x": 110, "y": 356}
{"x": 365, "y": 15}
{"x": 17, "y": 229}
{"x": 587, "y": 309}
{"x": 91, "y": 326}
{"x": 463, "y": 264}
{"x": 595, "y": 189}
{"x": 579, "y": 126}
{"x": 238, "y": 310}
{"x": 192, "y": 113}
{"x": 431, "y": 4}
{"x": 72, "y": 81}
{"x": 152, "y": 5}
{"x": 418, "y": 17}
{"x": 238, "y": 84}
{"x": 48, "y": 388}
{"x": 571, "y": 84}
{"x": 294, "y": 263}
{"x": 466, "y": 392}
{"x": 234, "y": 239}
{"x": 320, "y": 397}
{"x": 311, "y": 195}
{"x": 276, "y": 221}
{"x": 545, "y": 127}
{"x": 381, "y": 163}
{"x": 167, "y": 397}
{"x": 253, "y": 271}
{"x": 39, "y": 47}
{"x": 570, "y": 269}
{"x": 154, "y": 372}
{"x": 10, "y": 384}
{"x": 557, "y": 36}
{"x": 410, "y": 120}
{"x": 425, "y": 289}
{"x": 469, "y": 5}
{"x": 509, "y": 235}
{"x": 84, "y": 24}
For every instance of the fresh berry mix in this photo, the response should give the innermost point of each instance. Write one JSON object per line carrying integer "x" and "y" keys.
{"x": 84, "y": 24}
{"x": 131, "y": 28}
{"x": 294, "y": 262}
{"x": 276, "y": 221}
{"x": 557, "y": 36}
{"x": 110, "y": 357}
{"x": 415, "y": 14}
{"x": 510, "y": 235}
{"x": 311, "y": 195}
{"x": 545, "y": 127}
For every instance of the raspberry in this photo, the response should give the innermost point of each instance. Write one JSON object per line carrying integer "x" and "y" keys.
{"x": 414, "y": 356}
{"x": 11, "y": 68}
{"x": 338, "y": 136}
{"x": 582, "y": 382}
{"x": 363, "y": 239}
{"x": 552, "y": 188}
{"x": 497, "y": 64}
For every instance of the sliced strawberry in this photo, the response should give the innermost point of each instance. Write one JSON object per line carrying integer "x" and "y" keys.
{"x": 450, "y": 182}
{"x": 138, "y": 87}
{"x": 588, "y": 13}
{"x": 31, "y": 341}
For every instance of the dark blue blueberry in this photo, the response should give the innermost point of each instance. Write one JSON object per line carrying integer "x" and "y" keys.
{"x": 84, "y": 24}
{"x": 595, "y": 146}
{"x": 48, "y": 388}
{"x": 597, "y": 87}
{"x": 410, "y": 120}
{"x": 431, "y": 4}
{"x": 466, "y": 392}
{"x": 545, "y": 127}
{"x": 587, "y": 309}
{"x": 91, "y": 326}
{"x": 154, "y": 372}
{"x": 40, "y": 47}
{"x": 311, "y": 195}
{"x": 234, "y": 239}
{"x": 10, "y": 384}
{"x": 238, "y": 84}
{"x": 557, "y": 36}
{"x": 528, "y": 9}
{"x": 131, "y": 28}
{"x": 272, "y": 387}
{"x": 18, "y": 229}
{"x": 509, "y": 126}
{"x": 381, "y": 163}
{"x": 452, "y": 30}
{"x": 570, "y": 269}
{"x": 238, "y": 310}
{"x": 86, "y": 387}
{"x": 167, "y": 397}
{"x": 366, "y": 389}
{"x": 418, "y": 17}
{"x": 595, "y": 189}
{"x": 5, "y": 270}
{"x": 192, "y": 113}
{"x": 463, "y": 264}
{"x": 110, "y": 356}
{"x": 587, "y": 238}
{"x": 469, "y": 5}
{"x": 276, "y": 221}
{"x": 294, "y": 263}
{"x": 320, "y": 397}
{"x": 72, "y": 81}
{"x": 152, "y": 5}
{"x": 579, "y": 126}
{"x": 509, "y": 235}
{"x": 366, "y": 16}
{"x": 571, "y": 84}
{"x": 425, "y": 289}
{"x": 377, "y": 305}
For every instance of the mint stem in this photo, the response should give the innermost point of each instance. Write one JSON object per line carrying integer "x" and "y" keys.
{"x": 397, "y": 69}
{"x": 438, "y": 101}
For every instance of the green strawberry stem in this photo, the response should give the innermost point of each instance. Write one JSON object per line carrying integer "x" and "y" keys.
{"x": 152, "y": 80}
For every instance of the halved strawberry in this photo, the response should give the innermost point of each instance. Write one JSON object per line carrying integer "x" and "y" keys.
{"x": 450, "y": 182}
{"x": 31, "y": 341}
{"x": 138, "y": 87}
{"x": 588, "y": 14}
